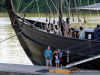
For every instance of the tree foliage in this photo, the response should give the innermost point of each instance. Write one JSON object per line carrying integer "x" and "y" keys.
{"x": 43, "y": 5}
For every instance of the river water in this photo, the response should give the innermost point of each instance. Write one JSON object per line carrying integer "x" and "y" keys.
{"x": 11, "y": 50}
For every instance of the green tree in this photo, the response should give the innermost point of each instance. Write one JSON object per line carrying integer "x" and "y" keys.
{"x": 43, "y": 5}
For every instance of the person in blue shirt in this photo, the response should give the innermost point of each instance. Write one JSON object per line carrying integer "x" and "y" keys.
{"x": 96, "y": 32}
{"x": 60, "y": 57}
{"x": 48, "y": 56}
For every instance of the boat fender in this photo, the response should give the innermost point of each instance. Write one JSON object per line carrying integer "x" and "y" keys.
{"x": 67, "y": 20}
{"x": 46, "y": 20}
{"x": 54, "y": 21}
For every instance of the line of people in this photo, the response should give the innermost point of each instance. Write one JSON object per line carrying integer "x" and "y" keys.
{"x": 49, "y": 56}
{"x": 81, "y": 33}
{"x": 96, "y": 32}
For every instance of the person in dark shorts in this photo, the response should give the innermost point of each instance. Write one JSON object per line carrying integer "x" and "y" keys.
{"x": 60, "y": 57}
{"x": 48, "y": 56}
{"x": 57, "y": 60}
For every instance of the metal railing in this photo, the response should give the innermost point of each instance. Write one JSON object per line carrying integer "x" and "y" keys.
{"x": 83, "y": 52}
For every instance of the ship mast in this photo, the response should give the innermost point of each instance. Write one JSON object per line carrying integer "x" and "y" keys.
{"x": 60, "y": 16}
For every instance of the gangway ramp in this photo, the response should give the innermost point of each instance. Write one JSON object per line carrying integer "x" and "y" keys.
{"x": 82, "y": 61}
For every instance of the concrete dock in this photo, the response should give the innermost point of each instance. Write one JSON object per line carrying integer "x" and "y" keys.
{"x": 15, "y": 69}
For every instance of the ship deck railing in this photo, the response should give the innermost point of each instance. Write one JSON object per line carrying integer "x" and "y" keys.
{"x": 82, "y": 53}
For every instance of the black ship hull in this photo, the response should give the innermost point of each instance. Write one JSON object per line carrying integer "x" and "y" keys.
{"x": 37, "y": 41}
{"x": 34, "y": 40}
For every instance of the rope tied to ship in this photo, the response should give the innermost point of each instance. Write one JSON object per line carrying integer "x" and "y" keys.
{"x": 10, "y": 37}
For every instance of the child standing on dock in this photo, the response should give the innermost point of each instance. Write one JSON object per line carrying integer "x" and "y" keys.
{"x": 48, "y": 56}
{"x": 57, "y": 60}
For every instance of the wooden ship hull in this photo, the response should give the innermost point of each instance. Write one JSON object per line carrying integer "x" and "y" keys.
{"x": 34, "y": 41}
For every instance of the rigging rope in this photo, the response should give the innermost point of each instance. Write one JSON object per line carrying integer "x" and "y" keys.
{"x": 49, "y": 7}
{"x": 77, "y": 12}
{"x": 39, "y": 12}
{"x": 56, "y": 9}
{"x": 84, "y": 19}
{"x": 90, "y": 14}
{"x": 81, "y": 3}
{"x": 94, "y": 1}
{"x": 64, "y": 6}
{"x": 83, "y": 14}
{"x": 97, "y": 10}
{"x": 38, "y": 7}
{"x": 38, "y": 19}
{"x": 73, "y": 18}
{"x": 49, "y": 15}
{"x": 69, "y": 18}
{"x": 18, "y": 6}
{"x": 67, "y": 8}
{"x": 27, "y": 6}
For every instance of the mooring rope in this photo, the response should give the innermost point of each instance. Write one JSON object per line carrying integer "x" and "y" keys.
{"x": 10, "y": 37}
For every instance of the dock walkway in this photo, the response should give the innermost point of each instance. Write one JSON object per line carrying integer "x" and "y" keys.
{"x": 15, "y": 69}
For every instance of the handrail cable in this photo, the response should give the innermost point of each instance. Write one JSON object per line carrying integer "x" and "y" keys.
{"x": 80, "y": 44}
